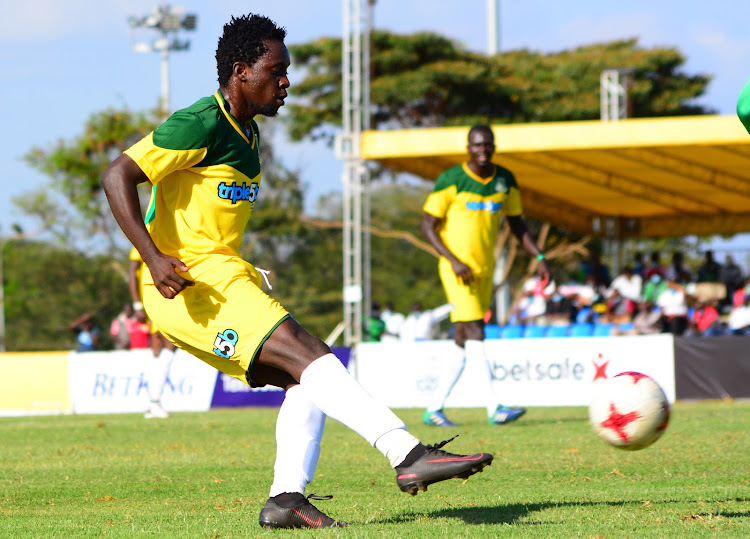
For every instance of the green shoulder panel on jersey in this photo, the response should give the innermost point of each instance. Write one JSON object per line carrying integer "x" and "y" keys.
{"x": 204, "y": 125}
{"x": 468, "y": 182}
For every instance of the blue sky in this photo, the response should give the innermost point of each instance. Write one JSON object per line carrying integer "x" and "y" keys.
{"x": 63, "y": 60}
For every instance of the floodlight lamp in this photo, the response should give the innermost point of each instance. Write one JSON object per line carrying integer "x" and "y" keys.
{"x": 190, "y": 21}
{"x": 169, "y": 22}
{"x": 142, "y": 47}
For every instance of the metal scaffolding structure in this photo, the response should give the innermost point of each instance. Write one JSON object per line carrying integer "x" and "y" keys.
{"x": 614, "y": 87}
{"x": 355, "y": 73}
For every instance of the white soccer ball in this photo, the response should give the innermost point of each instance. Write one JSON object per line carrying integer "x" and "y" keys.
{"x": 629, "y": 411}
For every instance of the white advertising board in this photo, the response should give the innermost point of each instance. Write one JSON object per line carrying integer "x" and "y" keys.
{"x": 116, "y": 382}
{"x": 528, "y": 372}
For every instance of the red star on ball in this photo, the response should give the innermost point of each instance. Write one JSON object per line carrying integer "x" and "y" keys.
{"x": 617, "y": 421}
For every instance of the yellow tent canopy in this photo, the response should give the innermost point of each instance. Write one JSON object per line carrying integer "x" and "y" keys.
{"x": 654, "y": 177}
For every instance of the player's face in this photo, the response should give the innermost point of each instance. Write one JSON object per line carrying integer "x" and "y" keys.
{"x": 481, "y": 147}
{"x": 268, "y": 81}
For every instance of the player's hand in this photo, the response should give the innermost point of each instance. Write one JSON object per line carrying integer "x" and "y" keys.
{"x": 166, "y": 279}
{"x": 462, "y": 271}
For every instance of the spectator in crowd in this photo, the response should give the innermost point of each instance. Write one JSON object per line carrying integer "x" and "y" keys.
{"x": 647, "y": 320}
{"x": 596, "y": 269}
{"x": 393, "y": 321}
{"x": 738, "y": 298}
{"x": 654, "y": 267}
{"x": 119, "y": 329}
{"x": 731, "y": 276}
{"x": 375, "y": 325}
{"x": 421, "y": 325}
{"x": 532, "y": 306}
{"x": 638, "y": 265}
{"x": 678, "y": 271}
{"x": 654, "y": 286}
{"x": 704, "y": 320}
{"x": 738, "y": 321}
{"x": 87, "y": 333}
{"x": 560, "y": 309}
{"x": 710, "y": 269}
{"x": 672, "y": 301}
{"x": 624, "y": 293}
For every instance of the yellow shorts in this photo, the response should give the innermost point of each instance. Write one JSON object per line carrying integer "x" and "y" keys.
{"x": 470, "y": 302}
{"x": 223, "y": 319}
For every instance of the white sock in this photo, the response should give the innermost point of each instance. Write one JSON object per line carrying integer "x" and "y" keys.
{"x": 299, "y": 428}
{"x": 475, "y": 353}
{"x": 158, "y": 371}
{"x": 329, "y": 385}
{"x": 450, "y": 371}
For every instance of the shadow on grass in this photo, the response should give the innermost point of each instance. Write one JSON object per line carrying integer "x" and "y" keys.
{"x": 511, "y": 514}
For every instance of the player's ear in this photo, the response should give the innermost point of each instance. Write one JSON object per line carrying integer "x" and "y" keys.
{"x": 240, "y": 70}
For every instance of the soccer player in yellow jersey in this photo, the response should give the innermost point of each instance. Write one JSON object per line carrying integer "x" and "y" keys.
{"x": 157, "y": 370}
{"x": 461, "y": 220}
{"x": 203, "y": 163}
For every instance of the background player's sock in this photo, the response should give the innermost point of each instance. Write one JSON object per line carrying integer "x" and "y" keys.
{"x": 340, "y": 396}
{"x": 475, "y": 352}
{"x": 299, "y": 428}
{"x": 451, "y": 368}
{"x": 158, "y": 371}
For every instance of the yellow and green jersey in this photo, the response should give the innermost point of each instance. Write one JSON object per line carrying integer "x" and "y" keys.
{"x": 205, "y": 170}
{"x": 470, "y": 208}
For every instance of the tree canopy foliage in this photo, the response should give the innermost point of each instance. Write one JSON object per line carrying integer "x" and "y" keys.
{"x": 80, "y": 214}
{"x": 47, "y": 287}
{"x": 427, "y": 80}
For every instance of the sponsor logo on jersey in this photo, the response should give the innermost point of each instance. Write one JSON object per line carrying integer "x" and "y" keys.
{"x": 236, "y": 192}
{"x": 486, "y": 205}
{"x": 225, "y": 343}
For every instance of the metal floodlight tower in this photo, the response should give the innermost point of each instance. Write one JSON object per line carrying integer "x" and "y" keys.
{"x": 355, "y": 75}
{"x": 166, "y": 20}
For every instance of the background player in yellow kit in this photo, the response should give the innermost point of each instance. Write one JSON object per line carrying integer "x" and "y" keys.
{"x": 204, "y": 164}
{"x": 461, "y": 220}
{"x": 157, "y": 369}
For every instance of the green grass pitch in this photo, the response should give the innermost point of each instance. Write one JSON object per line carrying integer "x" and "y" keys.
{"x": 207, "y": 475}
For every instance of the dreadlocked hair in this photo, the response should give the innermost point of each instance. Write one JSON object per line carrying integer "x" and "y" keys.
{"x": 244, "y": 41}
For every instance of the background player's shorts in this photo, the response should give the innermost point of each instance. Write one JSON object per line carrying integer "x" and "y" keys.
{"x": 223, "y": 319}
{"x": 470, "y": 302}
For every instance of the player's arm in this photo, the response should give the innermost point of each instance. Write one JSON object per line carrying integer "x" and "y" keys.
{"x": 120, "y": 182}
{"x": 521, "y": 231}
{"x": 430, "y": 226}
{"x": 743, "y": 106}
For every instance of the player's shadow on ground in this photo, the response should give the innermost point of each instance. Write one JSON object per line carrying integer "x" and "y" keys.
{"x": 513, "y": 513}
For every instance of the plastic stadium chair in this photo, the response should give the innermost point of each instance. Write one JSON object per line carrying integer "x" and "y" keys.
{"x": 581, "y": 330}
{"x": 534, "y": 332}
{"x": 557, "y": 331}
{"x": 491, "y": 331}
{"x": 603, "y": 330}
{"x": 511, "y": 332}
{"x": 625, "y": 326}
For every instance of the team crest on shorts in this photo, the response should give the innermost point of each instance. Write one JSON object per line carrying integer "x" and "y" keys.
{"x": 225, "y": 343}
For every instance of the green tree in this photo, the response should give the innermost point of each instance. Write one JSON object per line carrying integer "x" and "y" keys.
{"x": 47, "y": 287}
{"x": 427, "y": 80}
{"x": 81, "y": 215}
